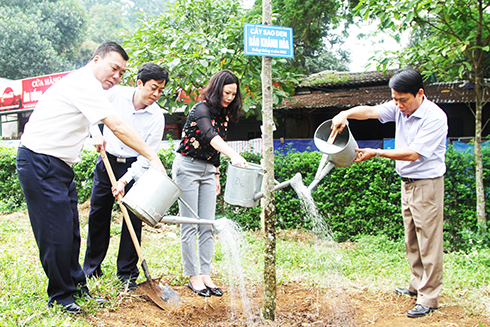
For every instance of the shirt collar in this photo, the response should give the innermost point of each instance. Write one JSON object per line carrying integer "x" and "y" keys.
{"x": 129, "y": 97}
{"x": 421, "y": 110}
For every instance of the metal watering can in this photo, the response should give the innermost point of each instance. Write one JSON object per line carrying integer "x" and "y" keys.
{"x": 340, "y": 153}
{"x": 153, "y": 194}
{"x": 244, "y": 184}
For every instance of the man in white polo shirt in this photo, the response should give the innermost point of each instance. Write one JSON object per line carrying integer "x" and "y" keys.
{"x": 51, "y": 143}
{"x": 420, "y": 147}
{"x": 137, "y": 105}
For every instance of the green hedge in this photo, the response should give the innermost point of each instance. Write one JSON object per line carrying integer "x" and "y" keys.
{"x": 363, "y": 199}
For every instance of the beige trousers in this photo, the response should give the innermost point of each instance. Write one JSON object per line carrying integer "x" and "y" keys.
{"x": 423, "y": 212}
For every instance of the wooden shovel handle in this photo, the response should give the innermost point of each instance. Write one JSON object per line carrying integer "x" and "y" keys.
{"x": 124, "y": 210}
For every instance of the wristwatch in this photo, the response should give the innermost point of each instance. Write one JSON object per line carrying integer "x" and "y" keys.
{"x": 378, "y": 153}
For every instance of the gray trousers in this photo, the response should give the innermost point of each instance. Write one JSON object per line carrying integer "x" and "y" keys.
{"x": 197, "y": 181}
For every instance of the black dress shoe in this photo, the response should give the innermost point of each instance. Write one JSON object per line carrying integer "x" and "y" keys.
{"x": 129, "y": 285}
{"x": 72, "y": 308}
{"x": 216, "y": 291}
{"x": 419, "y": 310}
{"x": 204, "y": 292}
{"x": 99, "y": 300}
{"x": 403, "y": 291}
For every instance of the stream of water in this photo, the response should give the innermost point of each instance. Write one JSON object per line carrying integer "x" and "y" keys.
{"x": 318, "y": 225}
{"x": 332, "y": 259}
{"x": 234, "y": 246}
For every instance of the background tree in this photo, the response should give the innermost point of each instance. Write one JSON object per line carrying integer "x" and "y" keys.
{"x": 194, "y": 40}
{"x": 455, "y": 43}
{"x": 131, "y": 10}
{"x": 39, "y": 37}
{"x": 106, "y": 22}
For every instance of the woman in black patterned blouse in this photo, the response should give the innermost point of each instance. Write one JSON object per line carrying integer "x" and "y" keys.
{"x": 196, "y": 171}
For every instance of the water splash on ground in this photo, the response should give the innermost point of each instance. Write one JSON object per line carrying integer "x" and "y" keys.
{"x": 318, "y": 224}
{"x": 234, "y": 247}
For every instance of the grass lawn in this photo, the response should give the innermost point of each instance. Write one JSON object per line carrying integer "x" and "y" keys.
{"x": 371, "y": 264}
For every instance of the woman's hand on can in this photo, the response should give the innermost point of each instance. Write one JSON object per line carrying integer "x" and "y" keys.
{"x": 238, "y": 160}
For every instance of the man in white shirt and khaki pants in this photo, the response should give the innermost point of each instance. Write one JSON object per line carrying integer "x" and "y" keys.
{"x": 420, "y": 147}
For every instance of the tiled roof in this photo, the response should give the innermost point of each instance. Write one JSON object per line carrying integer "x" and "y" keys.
{"x": 340, "y": 99}
{"x": 335, "y": 79}
{"x": 451, "y": 92}
{"x": 369, "y": 88}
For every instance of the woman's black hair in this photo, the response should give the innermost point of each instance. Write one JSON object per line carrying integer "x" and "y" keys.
{"x": 407, "y": 80}
{"x": 213, "y": 94}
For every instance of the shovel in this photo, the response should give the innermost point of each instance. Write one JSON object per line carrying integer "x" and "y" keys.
{"x": 163, "y": 297}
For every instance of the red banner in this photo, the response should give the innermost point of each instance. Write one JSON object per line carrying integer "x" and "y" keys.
{"x": 33, "y": 88}
{"x": 10, "y": 95}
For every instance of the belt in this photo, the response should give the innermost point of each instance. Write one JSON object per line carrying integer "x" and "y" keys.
{"x": 410, "y": 180}
{"x": 121, "y": 159}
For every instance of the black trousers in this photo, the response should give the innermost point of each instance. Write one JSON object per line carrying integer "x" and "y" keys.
{"x": 51, "y": 196}
{"x": 99, "y": 224}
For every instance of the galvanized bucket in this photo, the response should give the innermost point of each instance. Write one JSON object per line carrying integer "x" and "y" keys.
{"x": 151, "y": 196}
{"x": 343, "y": 150}
{"x": 242, "y": 184}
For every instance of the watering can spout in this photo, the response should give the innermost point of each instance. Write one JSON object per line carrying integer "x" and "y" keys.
{"x": 218, "y": 225}
{"x": 280, "y": 186}
{"x": 321, "y": 173}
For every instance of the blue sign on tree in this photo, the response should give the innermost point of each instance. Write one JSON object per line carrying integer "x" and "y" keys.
{"x": 269, "y": 41}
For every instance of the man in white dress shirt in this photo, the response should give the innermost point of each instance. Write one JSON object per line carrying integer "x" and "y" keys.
{"x": 51, "y": 143}
{"x": 137, "y": 105}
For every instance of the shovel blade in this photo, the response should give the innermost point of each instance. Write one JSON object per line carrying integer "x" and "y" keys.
{"x": 162, "y": 295}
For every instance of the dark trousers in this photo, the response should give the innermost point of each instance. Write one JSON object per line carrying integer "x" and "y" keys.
{"x": 51, "y": 197}
{"x": 99, "y": 225}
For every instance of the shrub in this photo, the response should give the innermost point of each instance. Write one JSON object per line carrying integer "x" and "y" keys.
{"x": 84, "y": 174}
{"x": 362, "y": 199}
{"x": 461, "y": 229}
{"x": 11, "y": 196}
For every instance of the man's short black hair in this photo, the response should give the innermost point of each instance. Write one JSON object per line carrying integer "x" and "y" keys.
{"x": 149, "y": 71}
{"x": 407, "y": 80}
{"x": 105, "y": 47}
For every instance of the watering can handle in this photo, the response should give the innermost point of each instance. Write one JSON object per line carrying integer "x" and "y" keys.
{"x": 189, "y": 208}
{"x": 333, "y": 136}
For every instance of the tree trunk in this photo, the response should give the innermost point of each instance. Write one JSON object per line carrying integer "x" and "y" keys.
{"x": 480, "y": 96}
{"x": 269, "y": 206}
{"x": 480, "y": 193}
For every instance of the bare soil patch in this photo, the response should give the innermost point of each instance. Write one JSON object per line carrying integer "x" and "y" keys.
{"x": 296, "y": 306}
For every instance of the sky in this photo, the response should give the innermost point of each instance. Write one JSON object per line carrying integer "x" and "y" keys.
{"x": 363, "y": 49}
